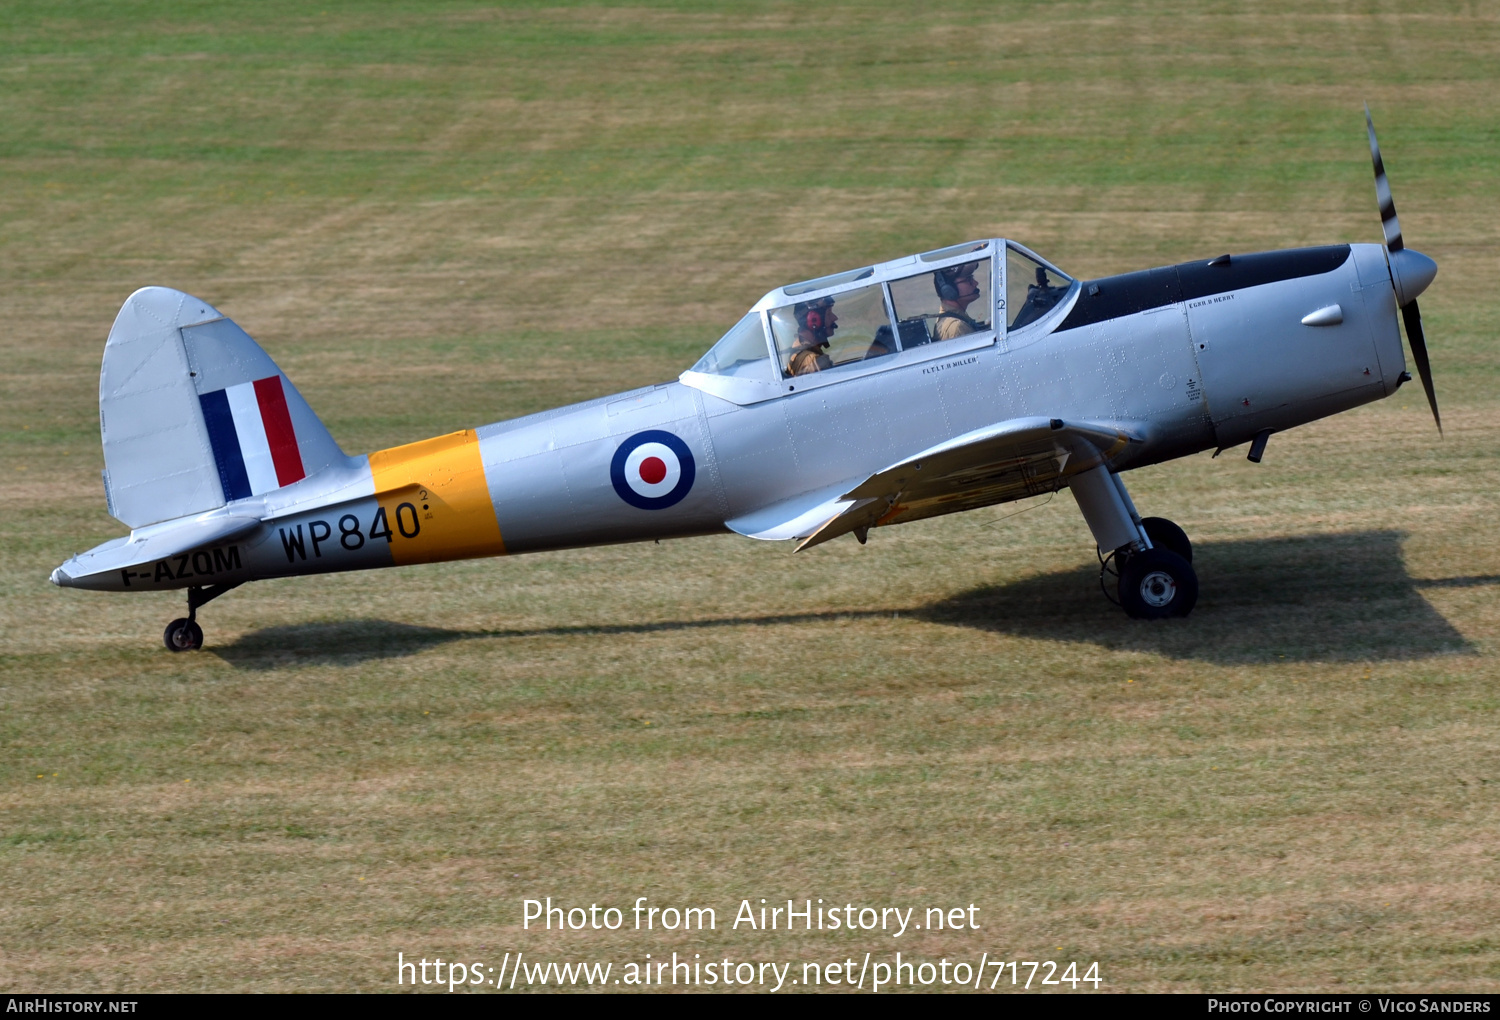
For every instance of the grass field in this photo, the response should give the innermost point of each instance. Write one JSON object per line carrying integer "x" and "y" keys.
{"x": 438, "y": 215}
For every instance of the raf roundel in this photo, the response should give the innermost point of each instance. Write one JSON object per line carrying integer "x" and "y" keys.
{"x": 652, "y": 470}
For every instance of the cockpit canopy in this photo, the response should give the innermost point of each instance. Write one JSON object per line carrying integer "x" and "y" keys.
{"x": 861, "y": 321}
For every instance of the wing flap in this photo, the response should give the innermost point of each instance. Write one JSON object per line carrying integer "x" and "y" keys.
{"x": 998, "y": 463}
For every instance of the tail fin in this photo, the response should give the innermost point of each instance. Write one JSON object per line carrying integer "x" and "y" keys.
{"x": 195, "y": 415}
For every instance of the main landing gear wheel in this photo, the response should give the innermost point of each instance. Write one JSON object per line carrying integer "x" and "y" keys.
{"x": 1166, "y": 535}
{"x": 183, "y": 635}
{"x": 1157, "y": 583}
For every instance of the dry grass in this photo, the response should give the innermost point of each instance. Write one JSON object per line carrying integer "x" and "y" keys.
{"x": 1296, "y": 788}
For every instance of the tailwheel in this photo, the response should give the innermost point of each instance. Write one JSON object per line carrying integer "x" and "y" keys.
{"x": 183, "y": 635}
{"x": 1166, "y": 535}
{"x": 1157, "y": 583}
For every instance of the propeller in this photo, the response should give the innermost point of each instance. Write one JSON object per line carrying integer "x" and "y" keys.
{"x": 1411, "y": 272}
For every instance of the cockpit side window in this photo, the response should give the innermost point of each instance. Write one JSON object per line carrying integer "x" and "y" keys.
{"x": 742, "y": 352}
{"x": 830, "y": 331}
{"x": 944, "y": 304}
{"x": 1031, "y": 289}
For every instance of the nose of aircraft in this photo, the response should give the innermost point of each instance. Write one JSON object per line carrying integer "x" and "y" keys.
{"x": 1411, "y": 272}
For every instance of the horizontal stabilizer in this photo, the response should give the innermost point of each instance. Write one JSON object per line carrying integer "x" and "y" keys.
{"x": 998, "y": 463}
{"x": 150, "y": 544}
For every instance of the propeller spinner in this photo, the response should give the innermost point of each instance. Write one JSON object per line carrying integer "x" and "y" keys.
{"x": 1411, "y": 272}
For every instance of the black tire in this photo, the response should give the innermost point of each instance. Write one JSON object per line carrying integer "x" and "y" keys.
{"x": 1156, "y": 584}
{"x": 1166, "y": 535}
{"x": 182, "y": 635}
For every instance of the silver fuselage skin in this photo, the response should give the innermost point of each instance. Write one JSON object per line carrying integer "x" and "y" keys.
{"x": 1185, "y": 358}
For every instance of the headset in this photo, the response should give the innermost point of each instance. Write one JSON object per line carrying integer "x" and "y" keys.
{"x": 810, "y": 316}
{"x": 945, "y": 281}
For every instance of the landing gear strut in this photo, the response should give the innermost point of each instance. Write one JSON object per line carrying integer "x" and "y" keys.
{"x": 1166, "y": 535}
{"x": 184, "y": 634}
{"x": 1151, "y": 566}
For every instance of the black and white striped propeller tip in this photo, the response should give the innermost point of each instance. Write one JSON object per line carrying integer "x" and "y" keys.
{"x": 1388, "y": 221}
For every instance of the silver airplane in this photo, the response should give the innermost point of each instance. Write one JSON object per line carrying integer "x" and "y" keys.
{"x": 959, "y": 378}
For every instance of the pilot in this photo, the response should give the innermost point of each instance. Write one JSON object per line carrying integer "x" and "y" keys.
{"x": 957, "y": 290}
{"x": 815, "y": 324}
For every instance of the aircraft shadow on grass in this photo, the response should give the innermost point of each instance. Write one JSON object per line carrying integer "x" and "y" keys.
{"x": 1312, "y": 598}
{"x": 1316, "y": 598}
{"x": 339, "y": 642}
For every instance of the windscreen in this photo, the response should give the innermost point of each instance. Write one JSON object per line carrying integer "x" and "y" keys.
{"x": 1031, "y": 289}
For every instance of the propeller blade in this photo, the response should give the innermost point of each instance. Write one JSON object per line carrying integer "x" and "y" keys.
{"x": 1413, "y": 319}
{"x": 1388, "y": 221}
{"x": 1419, "y": 267}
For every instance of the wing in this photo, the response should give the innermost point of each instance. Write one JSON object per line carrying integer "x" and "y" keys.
{"x": 1010, "y": 460}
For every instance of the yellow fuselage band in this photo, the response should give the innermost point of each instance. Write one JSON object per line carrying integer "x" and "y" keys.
{"x": 436, "y": 499}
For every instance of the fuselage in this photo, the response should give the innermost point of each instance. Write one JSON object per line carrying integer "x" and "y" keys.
{"x": 1186, "y": 358}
